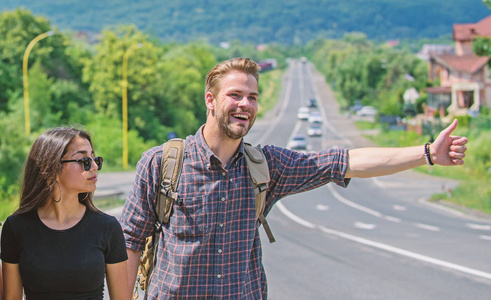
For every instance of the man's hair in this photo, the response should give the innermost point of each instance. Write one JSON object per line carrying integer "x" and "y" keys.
{"x": 240, "y": 64}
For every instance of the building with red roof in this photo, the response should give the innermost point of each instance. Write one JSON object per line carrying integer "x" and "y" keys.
{"x": 465, "y": 82}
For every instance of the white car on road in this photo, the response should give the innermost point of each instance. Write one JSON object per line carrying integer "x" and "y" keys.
{"x": 367, "y": 111}
{"x": 303, "y": 113}
{"x": 299, "y": 142}
{"x": 315, "y": 117}
{"x": 315, "y": 129}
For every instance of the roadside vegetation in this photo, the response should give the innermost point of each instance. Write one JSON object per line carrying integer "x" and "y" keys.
{"x": 362, "y": 72}
{"x": 74, "y": 82}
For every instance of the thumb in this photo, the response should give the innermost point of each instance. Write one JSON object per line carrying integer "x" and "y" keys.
{"x": 448, "y": 131}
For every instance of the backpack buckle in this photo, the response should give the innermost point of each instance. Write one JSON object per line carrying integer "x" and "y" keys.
{"x": 158, "y": 226}
{"x": 261, "y": 187}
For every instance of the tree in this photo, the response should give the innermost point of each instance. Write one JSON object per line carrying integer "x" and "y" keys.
{"x": 17, "y": 29}
{"x": 103, "y": 74}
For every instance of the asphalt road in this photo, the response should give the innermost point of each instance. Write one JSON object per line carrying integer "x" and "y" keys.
{"x": 377, "y": 239}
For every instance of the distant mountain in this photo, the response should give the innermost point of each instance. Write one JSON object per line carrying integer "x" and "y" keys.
{"x": 261, "y": 21}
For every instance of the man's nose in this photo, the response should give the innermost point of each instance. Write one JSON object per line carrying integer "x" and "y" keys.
{"x": 244, "y": 101}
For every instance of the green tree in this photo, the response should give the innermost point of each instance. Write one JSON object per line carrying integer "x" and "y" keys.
{"x": 182, "y": 73}
{"x": 17, "y": 29}
{"x": 103, "y": 74}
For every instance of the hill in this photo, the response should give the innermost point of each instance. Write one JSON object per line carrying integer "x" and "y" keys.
{"x": 283, "y": 21}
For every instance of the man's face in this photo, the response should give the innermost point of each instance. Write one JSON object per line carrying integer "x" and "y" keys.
{"x": 235, "y": 106}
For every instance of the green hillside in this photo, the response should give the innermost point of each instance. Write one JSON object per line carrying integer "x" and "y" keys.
{"x": 259, "y": 21}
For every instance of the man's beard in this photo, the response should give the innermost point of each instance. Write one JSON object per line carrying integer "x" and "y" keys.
{"x": 224, "y": 125}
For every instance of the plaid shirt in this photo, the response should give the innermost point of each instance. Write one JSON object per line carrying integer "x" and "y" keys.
{"x": 211, "y": 247}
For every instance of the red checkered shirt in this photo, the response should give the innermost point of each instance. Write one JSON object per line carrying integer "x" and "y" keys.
{"x": 211, "y": 247}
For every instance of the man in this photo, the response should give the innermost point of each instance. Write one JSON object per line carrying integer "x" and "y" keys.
{"x": 211, "y": 249}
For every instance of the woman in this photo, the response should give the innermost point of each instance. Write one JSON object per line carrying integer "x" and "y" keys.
{"x": 57, "y": 245}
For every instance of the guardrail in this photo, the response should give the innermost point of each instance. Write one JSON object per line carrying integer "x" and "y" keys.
{"x": 100, "y": 194}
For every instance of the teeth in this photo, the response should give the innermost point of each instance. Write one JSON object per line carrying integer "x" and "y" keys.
{"x": 241, "y": 116}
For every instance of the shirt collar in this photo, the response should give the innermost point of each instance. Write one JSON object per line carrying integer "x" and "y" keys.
{"x": 208, "y": 156}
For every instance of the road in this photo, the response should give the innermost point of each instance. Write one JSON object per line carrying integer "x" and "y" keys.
{"x": 378, "y": 238}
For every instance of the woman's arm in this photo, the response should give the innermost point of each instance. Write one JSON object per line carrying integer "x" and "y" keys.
{"x": 117, "y": 281}
{"x": 12, "y": 282}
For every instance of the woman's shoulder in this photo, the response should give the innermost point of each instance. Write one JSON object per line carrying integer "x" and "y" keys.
{"x": 23, "y": 217}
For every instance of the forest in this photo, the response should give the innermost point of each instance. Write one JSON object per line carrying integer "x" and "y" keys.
{"x": 288, "y": 22}
{"x": 72, "y": 81}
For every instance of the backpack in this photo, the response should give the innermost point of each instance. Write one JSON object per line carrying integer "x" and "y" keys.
{"x": 170, "y": 172}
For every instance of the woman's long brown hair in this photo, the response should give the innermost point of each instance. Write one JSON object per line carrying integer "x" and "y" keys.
{"x": 42, "y": 166}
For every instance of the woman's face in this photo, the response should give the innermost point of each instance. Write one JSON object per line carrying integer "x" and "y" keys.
{"x": 73, "y": 178}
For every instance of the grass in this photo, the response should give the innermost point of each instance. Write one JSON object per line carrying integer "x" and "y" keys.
{"x": 366, "y": 125}
{"x": 270, "y": 87}
{"x": 108, "y": 203}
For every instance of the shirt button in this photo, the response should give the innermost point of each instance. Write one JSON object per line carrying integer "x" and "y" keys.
{"x": 219, "y": 276}
{"x": 223, "y": 199}
{"x": 221, "y": 225}
{"x": 220, "y": 251}
{"x": 223, "y": 173}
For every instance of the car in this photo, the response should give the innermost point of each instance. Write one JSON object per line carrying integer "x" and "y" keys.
{"x": 315, "y": 117}
{"x": 303, "y": 113}
{"x": 367, "y": 111}
{"x": 315, "y": 129}
{"x": 299, "y": 142}
{"x": 356, "y": 107}
{"x": 312, "y": 103}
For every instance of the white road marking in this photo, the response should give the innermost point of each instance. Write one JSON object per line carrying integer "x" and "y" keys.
{"x": 321, "y": 207}
{"x": 393, "y": 219}
{"x": 385, "y": 247}
{"x": 378, "y": 182}
{"x": 360, "y": 207}
{"x": 364, "y": 225}
{"x": 478, "y": 226}
{"x": 427, "y": 227}
{"x": 441, "y": 207}
{"x": 485, "y": 237}
{"x": 294, "y": 217}
{"x": 352, "y": 204}
{"x": 399, "y": 207}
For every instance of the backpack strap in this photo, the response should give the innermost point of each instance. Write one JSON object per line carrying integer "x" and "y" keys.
{"x": 259, "y": 172}
{"x": 170, "y": 171}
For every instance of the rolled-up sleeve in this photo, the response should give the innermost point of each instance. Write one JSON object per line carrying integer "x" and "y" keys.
{"x": 138, "y": 217}
{"x": 294, "y": 172}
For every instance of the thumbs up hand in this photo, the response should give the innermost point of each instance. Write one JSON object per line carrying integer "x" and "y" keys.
{"x": 448, "y": 150}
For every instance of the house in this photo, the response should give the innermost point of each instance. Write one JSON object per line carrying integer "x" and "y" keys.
{"x": 465, "y": 82}
{"x": 430, "y": 50}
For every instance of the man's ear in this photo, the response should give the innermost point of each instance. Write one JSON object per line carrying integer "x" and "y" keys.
{"x": 210, "y": 105}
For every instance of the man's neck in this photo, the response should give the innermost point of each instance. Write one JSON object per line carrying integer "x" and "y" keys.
{"x": 223, "y": 147}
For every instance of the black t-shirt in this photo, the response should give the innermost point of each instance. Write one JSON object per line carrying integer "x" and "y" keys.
{"x": 63, "y": 264}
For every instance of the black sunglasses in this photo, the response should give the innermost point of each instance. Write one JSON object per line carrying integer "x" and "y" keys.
{"x": 87, "y": 162}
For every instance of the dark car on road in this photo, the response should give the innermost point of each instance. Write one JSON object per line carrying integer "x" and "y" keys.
{"x": 312, "y": 103}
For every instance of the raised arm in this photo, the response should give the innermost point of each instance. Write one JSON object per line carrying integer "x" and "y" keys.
{"x": 447, "y": 150}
